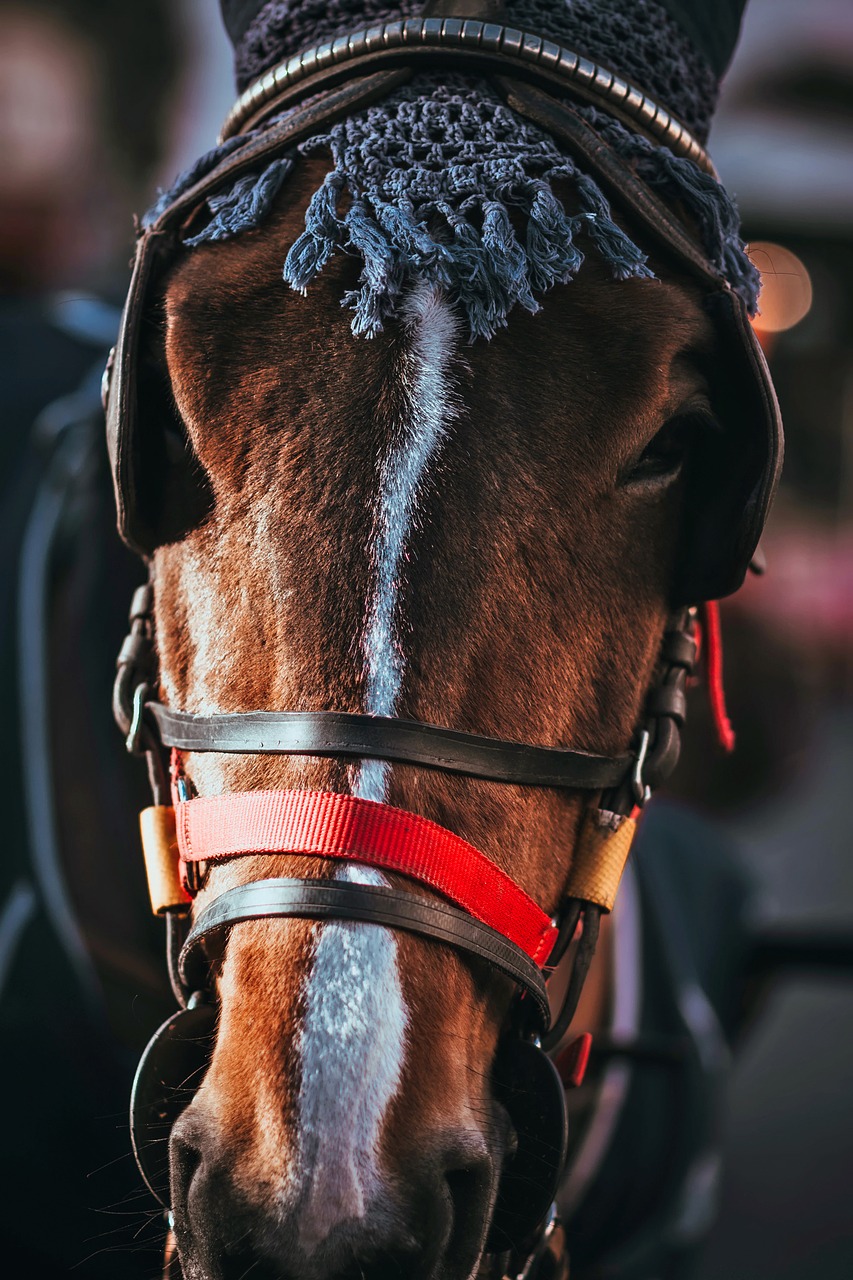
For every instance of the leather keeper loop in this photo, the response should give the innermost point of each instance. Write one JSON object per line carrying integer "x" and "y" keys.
{"x": 142, "y": 602}
{"x": 134, "y": 647}
{"x": 678, "y": 650}
{"x": 162, "y": 859}
{"x": 667, "y": 700}
{"x": 600, "y": 856}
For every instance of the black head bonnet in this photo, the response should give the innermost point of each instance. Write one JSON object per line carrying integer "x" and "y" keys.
{"x": 676, "y": 50}
{"x": 449, "y": 178}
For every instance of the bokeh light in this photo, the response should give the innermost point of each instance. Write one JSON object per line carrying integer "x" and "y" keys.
{"x": 786, "y": 287}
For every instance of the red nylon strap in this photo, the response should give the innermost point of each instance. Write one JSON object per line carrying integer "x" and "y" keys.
{"x": 713, "y": 641}
{"x": 327, "y": 825}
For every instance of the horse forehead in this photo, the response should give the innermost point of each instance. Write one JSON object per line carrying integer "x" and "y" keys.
{"x": 598, "y": 347}
{"x": 232, "y": 293}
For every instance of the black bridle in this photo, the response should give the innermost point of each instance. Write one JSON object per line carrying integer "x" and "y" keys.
{"x": 463, "y": 43}
{"x": 526, "y": 1080}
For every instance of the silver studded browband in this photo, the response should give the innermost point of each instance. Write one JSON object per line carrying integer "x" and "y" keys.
{"x": 484, "y": 46}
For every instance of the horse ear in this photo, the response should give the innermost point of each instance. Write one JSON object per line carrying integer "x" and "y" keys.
{"x": 161, "y": 490}
{"x": 732, "y": 479}
{"x": 714, "y": 29}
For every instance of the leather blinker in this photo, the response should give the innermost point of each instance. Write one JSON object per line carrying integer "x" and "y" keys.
{"x": 527, "y": 1085}
{"x": 160, "y": 489}
{"x": 166, "y": 1081}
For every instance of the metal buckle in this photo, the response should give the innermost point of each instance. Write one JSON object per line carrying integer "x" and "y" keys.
{"x": 551, "y": 1242}
{"x": 195, "y": 873}
{"x": 642, "y": 792}
{"x": 134, "y": 733}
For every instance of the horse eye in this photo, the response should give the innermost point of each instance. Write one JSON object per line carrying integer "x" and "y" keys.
{"x": 664, "y": 456}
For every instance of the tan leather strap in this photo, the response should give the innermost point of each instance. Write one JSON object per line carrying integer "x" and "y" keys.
{"x": 600, "y": 856}
{"x": 162, "y": 859}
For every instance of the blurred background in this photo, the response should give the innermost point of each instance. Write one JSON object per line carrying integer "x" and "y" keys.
{"x": 100, "y": 103}
{"x": 783, "y": 142}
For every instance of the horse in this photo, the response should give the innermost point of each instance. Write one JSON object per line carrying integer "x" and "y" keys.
{"x": 425, "y": 591}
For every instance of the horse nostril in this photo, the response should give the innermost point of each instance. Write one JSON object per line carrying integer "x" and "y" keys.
{"x": 461, "y": 1184}
{"x": 469, "y": 1186}
{"x": 185, "y": 1160}
{"x": 215, "y": 1231}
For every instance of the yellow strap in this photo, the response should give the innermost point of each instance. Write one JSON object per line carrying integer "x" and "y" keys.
{"x": 600, "y": 857}
{"x": 160, "y": 847}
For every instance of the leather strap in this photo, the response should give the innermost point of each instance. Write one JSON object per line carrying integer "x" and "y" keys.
{"x": 162, "y": 859}
{"x": 340, "y": 733}
{"x": 330, "y": 825}
{"x": 372, "y": 904}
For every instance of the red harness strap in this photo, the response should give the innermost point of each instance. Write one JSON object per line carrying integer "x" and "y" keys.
{"x": 328, "y": 825}
{"x": 713, "y": 641}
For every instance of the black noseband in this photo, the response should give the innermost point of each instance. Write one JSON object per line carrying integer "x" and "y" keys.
{"x": 374, "y": 904}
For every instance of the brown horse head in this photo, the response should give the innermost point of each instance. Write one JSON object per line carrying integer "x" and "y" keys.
{"x": 482, "y": 536}
{"x": 485, "y": 535}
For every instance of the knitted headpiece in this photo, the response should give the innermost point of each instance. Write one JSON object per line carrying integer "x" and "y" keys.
{"x": 443, "y": 182}
{"x": 678, "y": 62}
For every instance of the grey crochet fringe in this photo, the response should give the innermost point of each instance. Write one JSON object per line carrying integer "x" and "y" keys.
{"x": 442, "y": 182}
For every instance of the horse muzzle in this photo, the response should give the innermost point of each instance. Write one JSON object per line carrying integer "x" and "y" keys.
{"x": 467, "y": 1193}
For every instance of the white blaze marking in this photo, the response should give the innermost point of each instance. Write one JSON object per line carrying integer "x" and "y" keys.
{"x": 424, "y": 378}
{"x": 354, "y": 1028}
{"x": 352, "y": 1046}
